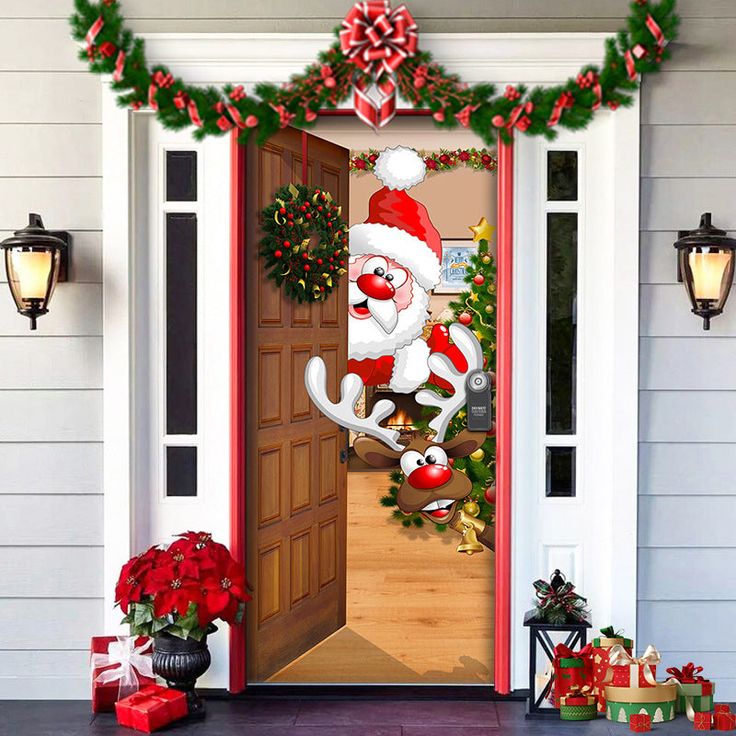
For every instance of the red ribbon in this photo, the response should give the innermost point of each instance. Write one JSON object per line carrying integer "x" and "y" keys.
{"x": 94, "y": 31}
{"x": 377, "y": 40}
{"x": 562, "y": 651}
{"x": 181, "y": 99}
{"x": 564, "y": 102}
{"x": 194, "y": 113}
{"x": 688, "y": 674}
{"x": 640, "y": 51}
{"x": 285, "y": 117}
{"x": 517, "y": 118}
{"x": 117, "y": 75}
{"x": 158, "y": 80}
{"x": 656, "y": 31}
{"x": 463, "y": 117}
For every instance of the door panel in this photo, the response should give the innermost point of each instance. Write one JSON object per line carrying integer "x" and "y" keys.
{"x": 296, "y": 487}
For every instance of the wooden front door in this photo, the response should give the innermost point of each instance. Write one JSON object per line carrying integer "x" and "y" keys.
{"x": 296, "y": 483}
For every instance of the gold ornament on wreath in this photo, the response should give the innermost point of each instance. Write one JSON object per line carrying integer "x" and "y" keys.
{"x": 305, "y": 246}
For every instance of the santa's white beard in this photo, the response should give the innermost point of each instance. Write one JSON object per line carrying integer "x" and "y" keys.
{"x": 367, "y": 339}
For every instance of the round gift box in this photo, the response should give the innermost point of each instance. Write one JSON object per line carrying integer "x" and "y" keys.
{"x": 578, "y": 712}
{"x": 658, "y": 702}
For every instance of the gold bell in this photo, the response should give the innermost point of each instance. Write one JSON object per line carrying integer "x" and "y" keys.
{"x": 469, "y": 543}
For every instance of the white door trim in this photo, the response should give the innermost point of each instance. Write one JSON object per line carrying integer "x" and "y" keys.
{"x": 248, "y": 58}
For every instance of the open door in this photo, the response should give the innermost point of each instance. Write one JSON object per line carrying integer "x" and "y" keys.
{"x": 295, "y": 480}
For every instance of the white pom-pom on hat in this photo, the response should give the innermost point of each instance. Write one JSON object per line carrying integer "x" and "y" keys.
{"x": 400, "y": 167}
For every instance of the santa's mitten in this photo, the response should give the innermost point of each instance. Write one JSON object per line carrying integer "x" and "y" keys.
{"x": 439, "y": 342}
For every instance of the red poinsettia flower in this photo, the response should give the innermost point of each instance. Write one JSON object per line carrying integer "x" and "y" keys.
{"x": 224, "y": 591}
{"x": 171, "y": 590}
{"x": 129, "y": 588}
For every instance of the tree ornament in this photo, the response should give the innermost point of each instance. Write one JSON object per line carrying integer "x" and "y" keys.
{"x": 478, "y": 455}
{"x": 471, "y": 508}
{"x": 293, "y": 263}
{"x": 486, "y": 259}
{"x": 490, "y": 495}
{"x": 479, "y": 279}
{"x": 465, "y": 319}
{"x": 489, "y": 309}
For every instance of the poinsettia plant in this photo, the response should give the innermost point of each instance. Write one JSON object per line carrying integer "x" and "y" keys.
{"x": 182, "y": 589}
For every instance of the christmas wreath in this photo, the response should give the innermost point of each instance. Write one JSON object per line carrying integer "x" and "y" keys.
{"x": 376, "y": 57}
{"x": 306, "y": 242}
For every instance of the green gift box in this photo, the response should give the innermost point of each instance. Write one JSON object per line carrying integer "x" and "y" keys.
{"x": 700, "y": 695}
{"x": 623, "y": 702}
{"x": 578, "y": 712}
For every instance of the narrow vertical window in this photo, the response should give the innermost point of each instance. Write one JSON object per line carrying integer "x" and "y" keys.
{"x": 560, "y": 472}
{"x": 181, "y": 323}
{"x": 181, "y": 176}
{"x": 562, "y": 176}
{"x": 562, "y": 277}
{"x": 181, "y": 471}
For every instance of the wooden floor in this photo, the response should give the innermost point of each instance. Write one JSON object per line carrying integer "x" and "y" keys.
{"x": 417, "y": 611}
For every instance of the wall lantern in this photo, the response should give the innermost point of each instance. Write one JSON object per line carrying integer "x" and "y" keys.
{"x": 705, "y": 262}
{"x": 36, "y": 259}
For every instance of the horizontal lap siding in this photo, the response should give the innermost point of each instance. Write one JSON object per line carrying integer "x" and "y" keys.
{"x": 51, "y": 528}
{"x": 687, "y": 431}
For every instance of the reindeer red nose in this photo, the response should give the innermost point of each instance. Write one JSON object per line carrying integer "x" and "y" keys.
{"x": 429, "y": 476}
{"x": 376, "y": 287}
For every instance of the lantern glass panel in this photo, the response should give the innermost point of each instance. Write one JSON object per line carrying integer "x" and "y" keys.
{"x": 709, "y": 267}
{"x": 32, "y": 272}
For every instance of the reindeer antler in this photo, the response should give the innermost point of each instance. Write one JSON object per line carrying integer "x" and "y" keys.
{"x": 343, "y": 413}
{"x": 443, "y": 367}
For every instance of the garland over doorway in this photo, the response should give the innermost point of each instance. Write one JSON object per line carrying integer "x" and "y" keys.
{"x": 376, "y": 58}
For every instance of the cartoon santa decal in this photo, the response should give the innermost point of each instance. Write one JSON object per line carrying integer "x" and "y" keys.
{"x": 394, "y": 263}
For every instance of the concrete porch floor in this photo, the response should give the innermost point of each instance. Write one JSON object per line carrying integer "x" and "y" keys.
{"x": 319, "y": 718}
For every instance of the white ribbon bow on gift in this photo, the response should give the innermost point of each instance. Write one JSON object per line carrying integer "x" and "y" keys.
{"x": 618, "y": 656}
{"x": 130, "y": 660}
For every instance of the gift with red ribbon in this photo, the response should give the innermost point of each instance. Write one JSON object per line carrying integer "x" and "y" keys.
{"x": 703, "y": 721}
{"x": 120, "y": 665}
{"x": 572, "y": 670}
{"x": 724, "y": 721}
{"x": 628, "y": 671}
{"x": 377, "y": 39}
{"x": 694, "y": 692}
{"x": 152, "y": 708}
{"x": 640, "y": 722}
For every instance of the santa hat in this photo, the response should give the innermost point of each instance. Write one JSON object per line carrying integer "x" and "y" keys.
{"x": 398, "y": 226}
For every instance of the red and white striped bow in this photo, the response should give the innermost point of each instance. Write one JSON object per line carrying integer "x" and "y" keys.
{"x": 377, "y": 40}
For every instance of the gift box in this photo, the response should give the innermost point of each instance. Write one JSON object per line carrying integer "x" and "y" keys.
{"x": 120, "y": 666}
{"x": 571, "y": 669}
{"x": 703, "y": 721}
{"x": 628, "y": 671}
{"x": 724, "y": 721}
{"x": 658, "y": 702}
{"x": 601, "y": 647}
{"x": 695, "y": 692}
{"x": 721, "y": 708}
{"x": 151, "y": 708}
{"x": 578, "y": 705}
{"x": 640, "y": 722}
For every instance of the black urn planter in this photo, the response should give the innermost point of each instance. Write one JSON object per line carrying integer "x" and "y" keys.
{"x": 180, "y": 662}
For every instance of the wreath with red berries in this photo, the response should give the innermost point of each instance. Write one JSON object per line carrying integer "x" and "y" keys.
{"x": 305, "y": 247}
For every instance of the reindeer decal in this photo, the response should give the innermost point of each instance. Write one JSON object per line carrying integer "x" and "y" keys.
{"x": 432, "y": 486}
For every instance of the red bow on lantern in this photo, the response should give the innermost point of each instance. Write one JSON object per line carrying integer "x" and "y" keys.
{"x": 517, "y": 118}
{"x": 377, "y": 39}
{"x": 688, "y": 674}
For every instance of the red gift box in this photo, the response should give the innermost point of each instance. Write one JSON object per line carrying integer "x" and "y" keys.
{"x": 572, "y": 671}
{"x": 703, "y": 721}
{"x": 721, "y": 708}
{"x": 724, "y": 721}
{"x": 151, "y": 708}
{"x": 640, "y": 722}
{"x": 127, "y": 660}
{"x": 600, "y": 665}
{"x": 634, "y": 675}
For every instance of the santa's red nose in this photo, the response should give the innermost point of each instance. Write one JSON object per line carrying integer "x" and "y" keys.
{"x": 429, "y": 476}
{"x": 376, "y": 287}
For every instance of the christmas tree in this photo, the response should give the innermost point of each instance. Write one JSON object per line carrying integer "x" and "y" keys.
{"x": 476, "y": 309}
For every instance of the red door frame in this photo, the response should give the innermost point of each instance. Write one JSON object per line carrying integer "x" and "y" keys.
{"x": 238, "y": 325}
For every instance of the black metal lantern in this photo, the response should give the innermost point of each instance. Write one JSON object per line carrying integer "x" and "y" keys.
{"x": 705, "y": 262}
{"x": 36, "y": 259}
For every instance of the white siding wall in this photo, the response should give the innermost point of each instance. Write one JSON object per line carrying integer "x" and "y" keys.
{"x": 50, "y": 381}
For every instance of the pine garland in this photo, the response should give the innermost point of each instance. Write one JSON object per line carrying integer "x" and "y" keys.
{"x": 435, "y": 161}
{"x": 110, "y": 48}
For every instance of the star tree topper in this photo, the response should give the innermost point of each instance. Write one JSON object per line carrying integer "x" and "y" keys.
{"x": 482, "y": 231}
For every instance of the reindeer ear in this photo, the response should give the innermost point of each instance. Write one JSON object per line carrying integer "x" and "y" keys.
{"x": 464, "y": 443}
{"x": 375, "y": 453}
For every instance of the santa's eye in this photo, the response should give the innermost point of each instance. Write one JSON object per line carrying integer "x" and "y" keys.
{"x": 410, "y": 461}
{"x": 397, "y": 276}
{"x": 435, "y": 455}
{"x": 373, "y": 264}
